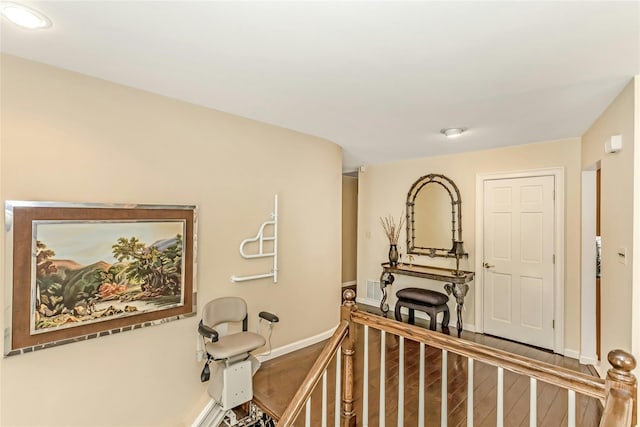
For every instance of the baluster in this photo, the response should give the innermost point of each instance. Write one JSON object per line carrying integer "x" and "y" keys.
{"x": 338, "y": 376}
{"x": 500, "y": 403}
{"x": 401, "y": 383}
{"x": 533, "y": 402}
{"x": 383, "y": 350}
{"x": 443, "y": 407}
{"x": 421, "y": 388}
{"x": 365, "y": 380}
{"x": 324, "y": 398}
{"x": 307, "y": 413}
{"x": 348, "y": 417}
{"x": 571, "y": 402}
{"x": 469, "y": 392}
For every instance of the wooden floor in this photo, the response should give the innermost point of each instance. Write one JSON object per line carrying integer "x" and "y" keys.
{"x": 278, "y": 379}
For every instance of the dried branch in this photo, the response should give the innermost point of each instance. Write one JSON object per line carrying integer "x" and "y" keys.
{"x": 391, "y": 229}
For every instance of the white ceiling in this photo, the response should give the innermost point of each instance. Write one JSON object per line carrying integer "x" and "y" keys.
{"x": 378, "y": 78}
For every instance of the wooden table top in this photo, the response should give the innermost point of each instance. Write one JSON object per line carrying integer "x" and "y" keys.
{"x": 429, "y": 272}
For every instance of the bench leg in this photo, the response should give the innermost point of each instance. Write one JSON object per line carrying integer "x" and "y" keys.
{"x": 433, "y": 316}
{"x": 412, "y": 317}
{"x": 431, "y": 311}
{"x": 397, "y": 313}
{"x": 445, "y": 319}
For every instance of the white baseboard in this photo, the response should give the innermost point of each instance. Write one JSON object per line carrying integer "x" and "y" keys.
{"x": 285, "y": 349}
{"x": 350, "y": 283}
{"x": 600, "y": 370}
{"x": 468, "y": 327}
{"x": 574, "y": 354}
{"x": 198, "y": 422}
{"x": 589, "y": 360}
{"x": 367, "y": 301}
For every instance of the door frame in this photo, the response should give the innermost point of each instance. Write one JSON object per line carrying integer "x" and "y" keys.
{"x": 588, "y": 269}
{"x": 558, "y": 247}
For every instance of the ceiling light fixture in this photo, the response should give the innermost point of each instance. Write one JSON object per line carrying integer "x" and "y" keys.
{"x": 24, "y": 17}
{"x": 452, "y": 132}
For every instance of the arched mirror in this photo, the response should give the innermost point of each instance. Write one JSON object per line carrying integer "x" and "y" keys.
{"x": 434, "y": 221}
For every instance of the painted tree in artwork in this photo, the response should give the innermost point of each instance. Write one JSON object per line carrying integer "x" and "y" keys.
{"x": 44, "y": 265}
{"x": 171, "y": 260}
{"x": 156, "y": 270}
{"x": 50, "y": 290}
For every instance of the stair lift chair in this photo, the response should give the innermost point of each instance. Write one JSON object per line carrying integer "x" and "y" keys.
{"x": 232, "y": 363}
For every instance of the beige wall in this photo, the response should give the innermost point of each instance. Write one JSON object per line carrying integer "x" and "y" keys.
{"x": 383, "y": 190}
{"x": 617, "y": 227}
{"x": 68, "y": 137}
{"x": 349, "y": 228}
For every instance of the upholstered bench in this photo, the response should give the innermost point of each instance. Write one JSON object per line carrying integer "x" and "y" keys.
{"x": 430, "y": 302}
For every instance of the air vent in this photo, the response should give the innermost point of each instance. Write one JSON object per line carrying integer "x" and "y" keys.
{"x": 373, "y": 290}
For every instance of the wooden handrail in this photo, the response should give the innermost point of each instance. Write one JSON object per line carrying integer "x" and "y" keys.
{"x": 311, "y": 380}
{"x": 556, "y": 375}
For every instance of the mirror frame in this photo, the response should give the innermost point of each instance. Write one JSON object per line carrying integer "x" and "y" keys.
{"x": 456, "y": 215}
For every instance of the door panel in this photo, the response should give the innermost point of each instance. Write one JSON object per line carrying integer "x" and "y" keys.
{"x": 501, "y": 300}
{"x": 530, "y": 244}
{"x": 532, "y": 298}
{"x": 501, "y": 243}
{"x": 518, "y": 259}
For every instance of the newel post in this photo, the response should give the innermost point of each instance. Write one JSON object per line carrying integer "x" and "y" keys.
{"x": 348, "y": 416}
{"x": 621, "y": 391}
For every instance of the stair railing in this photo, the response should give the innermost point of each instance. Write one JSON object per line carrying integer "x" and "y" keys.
{"x": 618, "y": 393}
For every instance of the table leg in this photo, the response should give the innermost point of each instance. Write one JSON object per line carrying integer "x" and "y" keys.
{"x": 459, "y": 291}
{"x": 386, "y": 279}
{"x": 459, "y": 312}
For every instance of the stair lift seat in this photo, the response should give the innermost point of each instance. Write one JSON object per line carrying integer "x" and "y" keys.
{"x": 229, "y": 346}
{"x": 233, "y": 365}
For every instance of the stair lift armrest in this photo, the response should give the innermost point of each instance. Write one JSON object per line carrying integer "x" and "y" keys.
{"x": 207, "y": 332}
{"x": 269, "y": 317}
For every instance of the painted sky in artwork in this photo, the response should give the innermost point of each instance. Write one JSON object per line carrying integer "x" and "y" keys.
{"x": 87, "y": 243}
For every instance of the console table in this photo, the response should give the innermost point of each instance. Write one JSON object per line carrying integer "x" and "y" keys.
{"x": 456, "y": 285}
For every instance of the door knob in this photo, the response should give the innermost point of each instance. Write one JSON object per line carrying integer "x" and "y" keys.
{"x": 487, "y": 265}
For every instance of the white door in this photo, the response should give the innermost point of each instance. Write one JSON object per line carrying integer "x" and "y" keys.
{"x": 519, "y": 259}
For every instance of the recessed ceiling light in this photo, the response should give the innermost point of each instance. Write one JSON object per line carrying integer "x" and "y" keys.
{"x": 23, "y": 16}
{"x": 452, "y": 132}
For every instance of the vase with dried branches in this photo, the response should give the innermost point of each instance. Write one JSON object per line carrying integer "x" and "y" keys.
{"x": 392, "y": 231}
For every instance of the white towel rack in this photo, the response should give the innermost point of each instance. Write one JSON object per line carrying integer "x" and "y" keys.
{"x": 261, "y": 238}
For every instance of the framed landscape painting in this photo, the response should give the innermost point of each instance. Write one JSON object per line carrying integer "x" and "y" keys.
{"x": 79, "y": 271}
